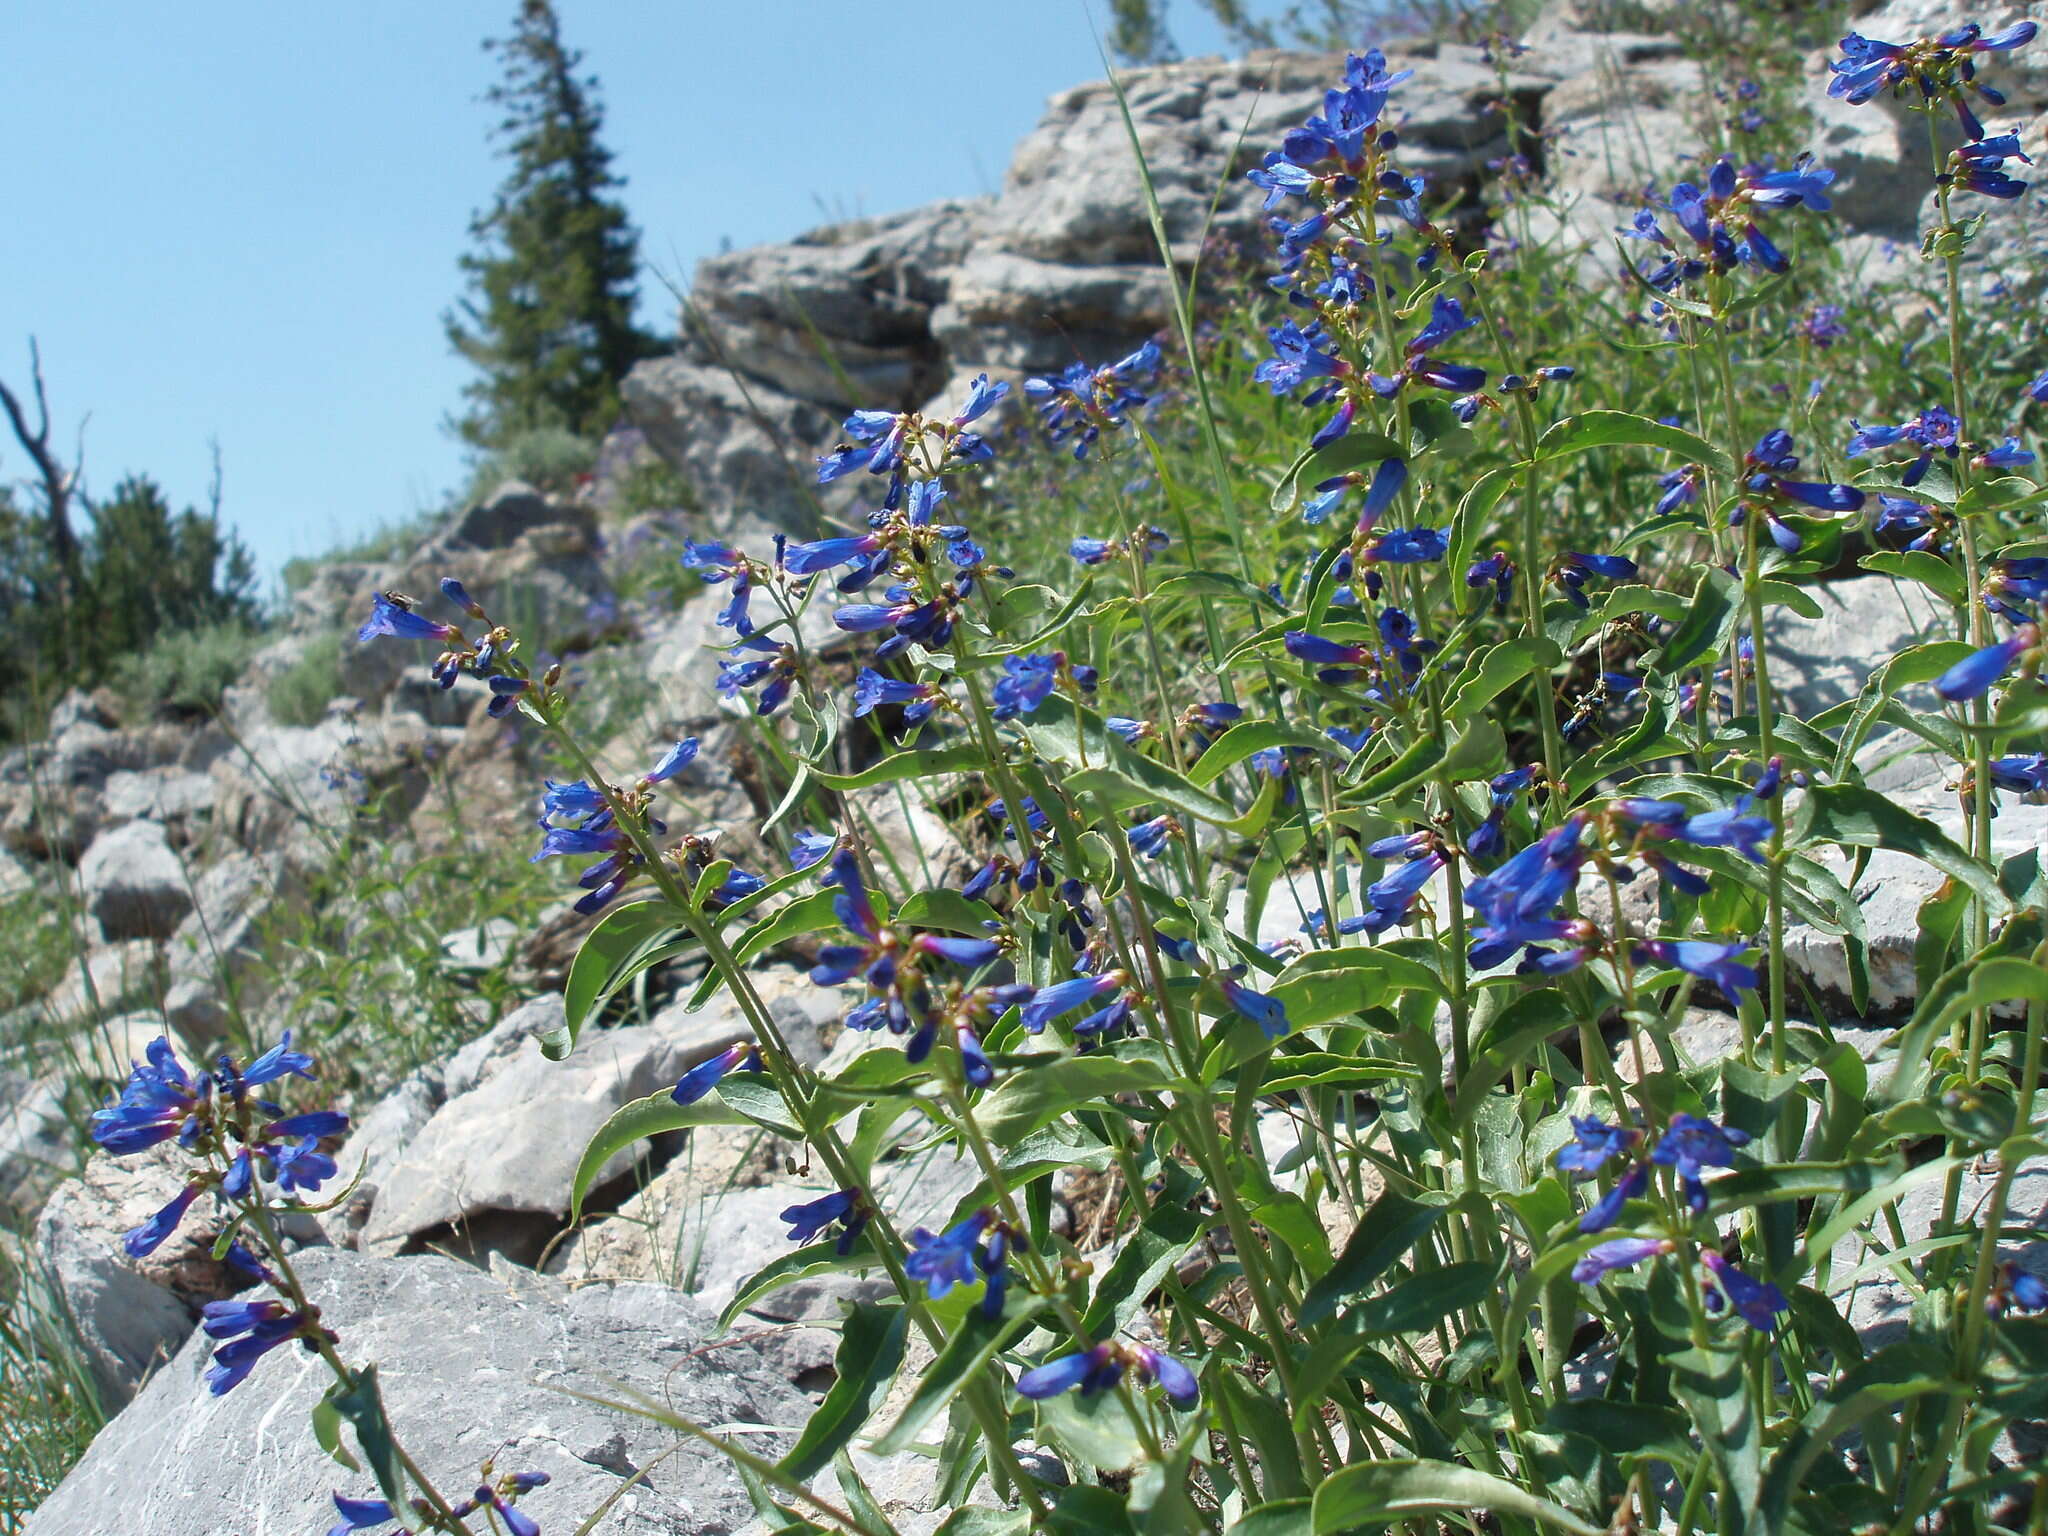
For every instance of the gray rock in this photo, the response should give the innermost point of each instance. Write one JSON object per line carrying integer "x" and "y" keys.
{"x": 1889, "y": 896}
{"x": 295, "y": 789}
{"x": 1878, "y": 1305}
{"x": 1816, "y": 664}
{"x": 133, "y": 883}
{"x": 375, "y": 1144}
{"x": 166, "y": 795}
{"x": 508, "y": 1349}
{"x": 131, "y": 1314}
{"x": 510, "y": 512}
{"x": 110, "y": 978}
{"x": 496, "y": 1163}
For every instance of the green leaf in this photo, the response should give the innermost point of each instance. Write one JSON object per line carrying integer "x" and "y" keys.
{"x": 1140, "y": 1264}
{"x": 625, "y": 942}
{"x": 1214, "y": 584}
{"x": 1918, "y": 664}
{"x": 1033, "y": 1097}
{"x": 922, "y": 764}
{"x": 652, "y": 1116}
{"x": 1354, "y": 450}
{"x": 1416, "y": 762}
{"x": 1068, "y": 734}
{"x": 1393, "y": 1226}
{"x": 1377, "y": 1492}
{"x": 362, "y": 1404}
{"x": 1328, "y": 984}
{"x": 801, "y": 1264}
{"x": 870, "y": 1350}
{"x": 1598, "y": 429}
{"x": 754, "y": 1096}
{"x": 1714, "y": 1389}
{"x": 947, "y": 910}
{"x": 1251, "y": 736}
{"x": 1282, "y": 1517}
{"x": 1715, "y": 603}
{"x": 1493, "y": 669}
{"x": 965, "y": 1356}
{"x": 1094, "y": 1430}
{"x": 1929, "y": 570}
{"x": 1859, "y": 817}
{"x": 809, "y": 914}
{"x": 327, "y": 1430}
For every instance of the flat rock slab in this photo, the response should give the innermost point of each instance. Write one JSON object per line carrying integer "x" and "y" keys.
{"x": 474, "y": 1365}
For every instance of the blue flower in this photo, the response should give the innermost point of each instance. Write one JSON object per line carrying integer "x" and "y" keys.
{"x": 1269, "y": 1013}
{"x": 278, "y": 1062}
{"x": 1063, "y": 997}
{"x": 1717, "y": 963}
{"x": 155, "y": 1105}
{"x": 252, "y": 1330}
{"x": 941, "y": 1261}
{"x": 1604, "y": 1212}
{"x": 1092, "y": 1371}
{"x": 673, "y": 761}
{"x": 150, "y": 1236}
{"x": 1617, "y": 1253}
{"x": 807, "y": 1220}
{"x": 393, "y": 615}
{"x": 1595, "y": 1144}
{"x": 1027, "y": 682}
{"x": 808, "y": 847}
{"x": 1973, "y": 676}
{"x": 872, "y": 689}
{"x": 360, "y": 1515}
{"x": 707, "y": 1074}
{"x": 823, "y": 554}
{"x": 301, "y": 1166}
{"x": 2022, "y": 773}
{"x": 1690, "y": 1145}
{"x": 1757, "y": 1302}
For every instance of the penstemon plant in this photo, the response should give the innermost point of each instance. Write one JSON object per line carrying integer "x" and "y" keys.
{"x": 1527, "y": 1259}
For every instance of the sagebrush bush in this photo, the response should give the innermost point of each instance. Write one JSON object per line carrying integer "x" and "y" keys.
{"x": 299, "y": 694}
{"x": 186, "y": 672}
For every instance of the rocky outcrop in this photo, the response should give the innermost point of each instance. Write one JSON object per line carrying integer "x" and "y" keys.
{"x": 1062, "y": 263}
{"x": 472, "y": 1366}
{"x": 133, "y": 884}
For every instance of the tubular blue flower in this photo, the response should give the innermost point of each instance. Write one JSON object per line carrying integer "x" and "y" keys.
{"x": 2037, "y": 390}
{"x": 1617, "y": 1253}
{"x": 252, "y": 1331}
{"x": 360, "y": 1515}
{"x": 673, "y": 761}
{"x": 1063, "y": 997}
{"x": 1757, "y": 1302}
{"x": 150, "y": 1236}
{"x": 968, "y": 952}
{"x": 1173, "y": 1376}
{"x": 871, "y": 690}
{"x": 2022, "y": 773}
{"x": 1149, "y": 838}
{"x": 1027, "y": 682}
{"x": 707, "y": 1074}
{"x": 277, "y": 1062}
{"x": 1729, "y": 828}
{"x": 1318, "y": 651}
{"x": 1269, "y": 1013}
{"x": 301, "y": 1166}
{"x": 1690, "y": 1145}
{"x": 809, "y": 847}
{"x": 2007, "y": 455}
{"x": 155, "y": 1104}
{"x": 1710, "y": 962}
{"x": 393, "y": 615}
{"x": 941, "y": 1261}
{"x": 824, "y": 554}
{"x": 807, "y": 1220}
{"x": 1973, "y": 676}
{"x": 1092, "y": 1371}
{"x": 1595, "y": 1143}
{"x": 1604, "y": 1212}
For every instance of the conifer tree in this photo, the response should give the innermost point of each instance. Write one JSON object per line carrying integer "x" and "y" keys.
{"x": 549, "y": 317}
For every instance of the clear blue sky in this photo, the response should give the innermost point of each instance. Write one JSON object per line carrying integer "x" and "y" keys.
{"x": 240, "y": 221}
